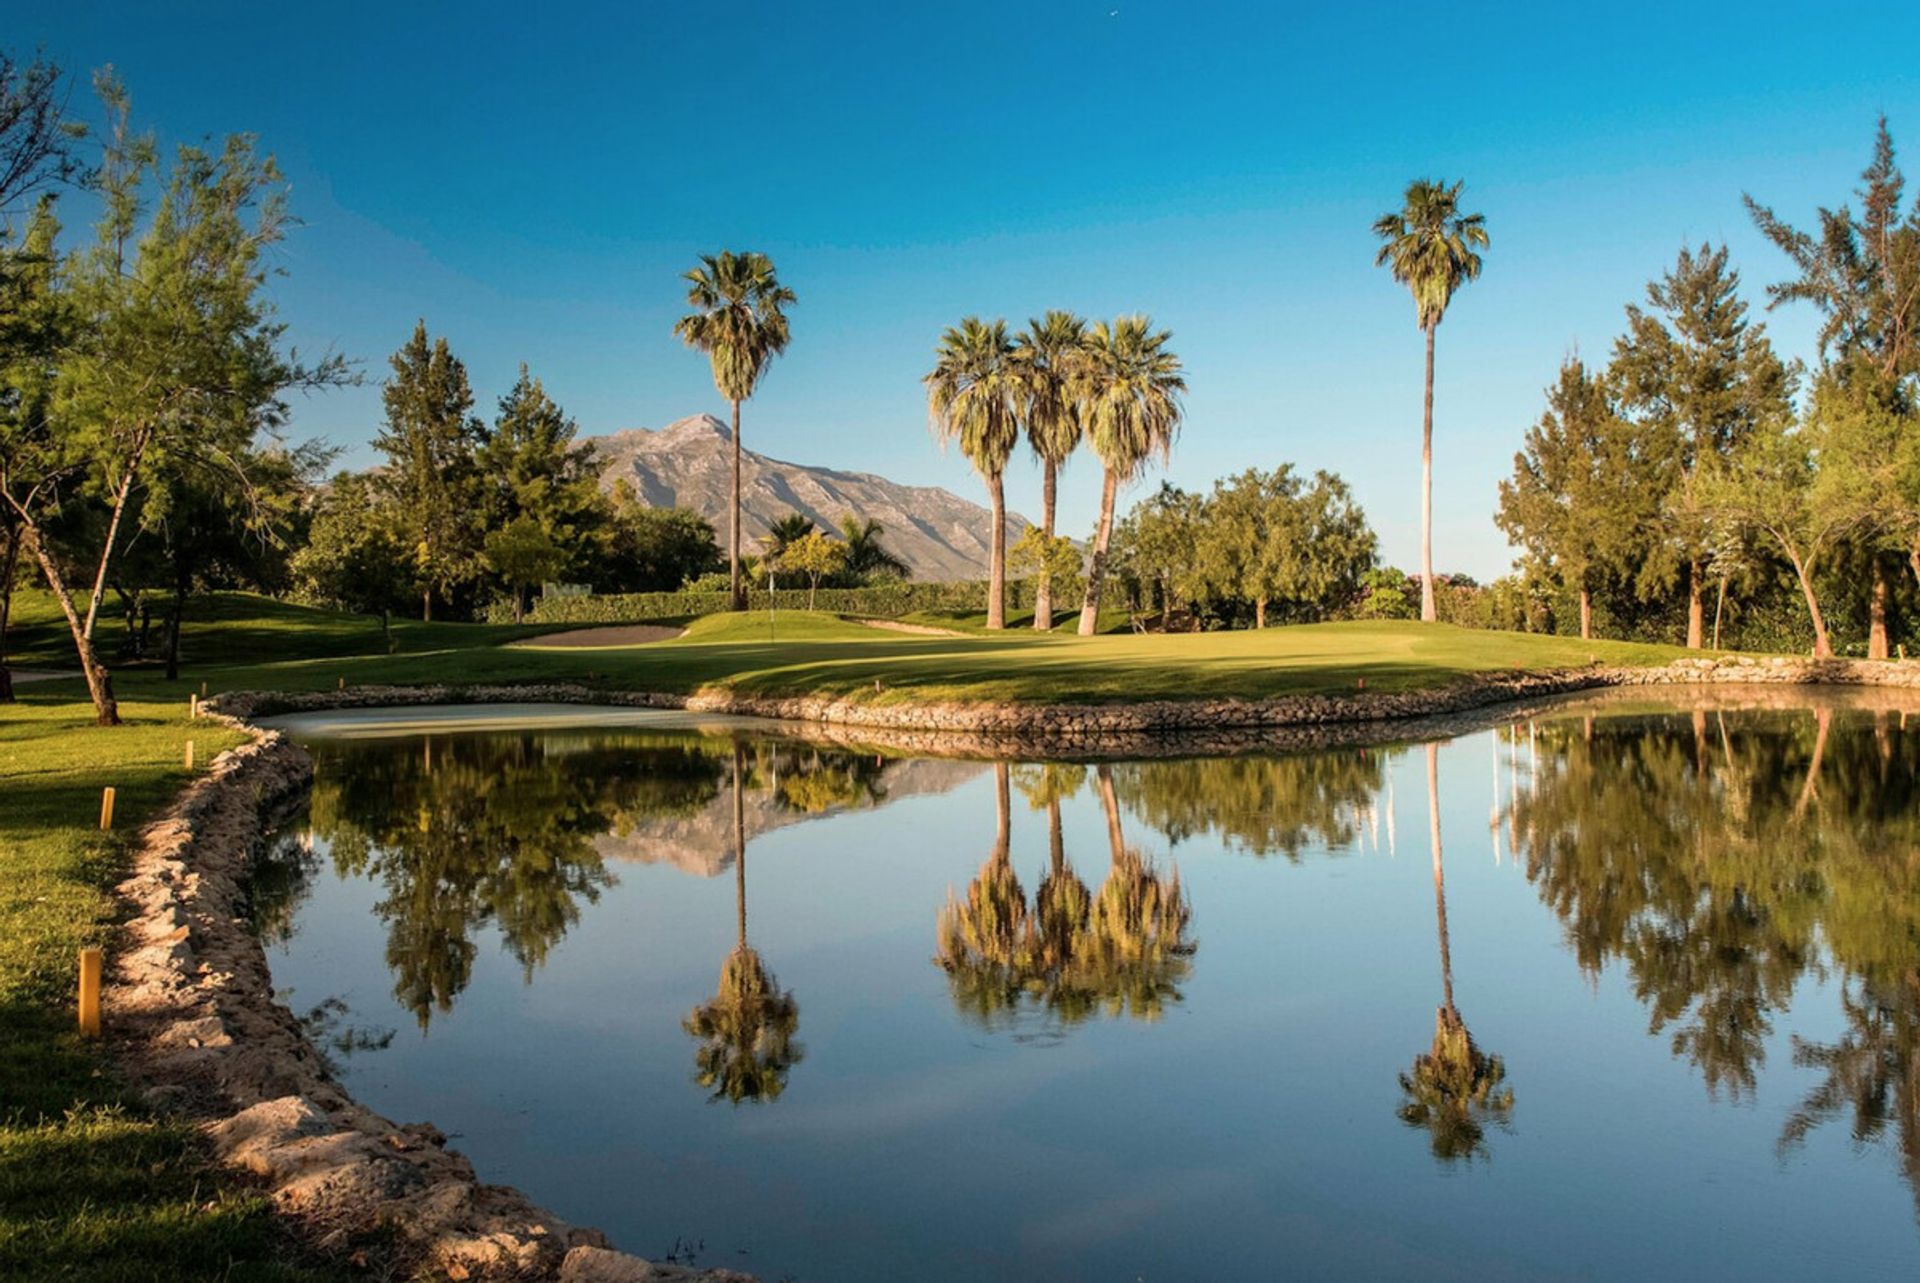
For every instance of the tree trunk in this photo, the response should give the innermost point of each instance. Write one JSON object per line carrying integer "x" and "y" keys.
{"x": 519, "y": 604}
{"x": 740, "y": 840}
{"x": 737, "y": 589}
{"x": 1586, "y": 613}
{"x": 113, "y": 533}
{"x": 1439, "y": 874}
{"x": 1002, "y": 812}
{"x": 1696, "y": 606}
{"x": 1877, "y": 647}
{"x": 99, "y": 682}
{"x": 1116, "y": 839}
{"x": 1427, "y": 611}
{"x": 426, "y": 605}
{"x": 176, "y": 615}
{"x": 1719, "y": 608}
{"x": 1043, "y": 590}
{"x": 1259, "y": 612}
{"x": 9, "y": 565}
{"x": 1097, "y": 565}
{"x": 1822, "y": 647}
{"x": 1056, "y": 841}
{"x": 813, "y": 588}
{"x": 997, "y": 555}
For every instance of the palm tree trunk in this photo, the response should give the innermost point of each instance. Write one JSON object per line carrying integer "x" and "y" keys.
{"x": 1439, "y": 874}
{"x": 1097, "y": 566}
{"x": 1002, "y": 812}
{"x": 1043, "y": 591}
{"x": 997, "y": 555}
{"x": 1696, "y": 606}
{"x": 740, "y": 841}
{"x": 1427, "y": 611}
{"x": 1116, "y": 840}
{"x": 1877, "y": 647}
{"x": 1056, "y": 842}
{"x": 735, "y": 589}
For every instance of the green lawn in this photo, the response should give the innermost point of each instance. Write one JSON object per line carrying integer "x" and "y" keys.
{"x": 244, "y": 643}
{"x": 91, "y": 1187}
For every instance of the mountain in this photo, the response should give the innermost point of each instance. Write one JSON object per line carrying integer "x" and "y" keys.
{"x": 688, "y": 465}
{"x": 702, "y": 843}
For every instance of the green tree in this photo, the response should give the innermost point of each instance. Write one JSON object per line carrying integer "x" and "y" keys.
{"x": 355, "y": 555}
{"x": 1578, "y": 495}
{"x": 36, "y": 135}
{"x": 646, "y": 549}
{"x": 1034, "y": 554}
{"x": 867, "y": 557}
{"x": 816, "y": 556}
{"x": 1047, "y": 354}
{"x": 1156, "y": 549}
{"x": 1863, "y": 273}
{"x": 171, "y": 347}
{"x": 429, "y": 438}
{"x": 1698, "y": 378}
{"x": 531, "y": 464}
{"x": 740, "y": 322}
{"x": 1129, "y": 386}
{"x": 974, "y": 398}
{"x": 1769, "y": 488}
{"x": 1431, "y": 248}
{"x": 524, "y": 555}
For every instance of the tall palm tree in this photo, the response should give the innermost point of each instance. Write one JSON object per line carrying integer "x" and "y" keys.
{"x": 1048, "y": 352}
{"x": 1128, "y": 386}
{"x": 741, "y": 324}
{"x": 1430, "y": 247}
{"x": 746, "y": 1033}
{"x": 973, "y": 397}
{"x": 1454, "y": 1085}
{"x": 866, "y": 555}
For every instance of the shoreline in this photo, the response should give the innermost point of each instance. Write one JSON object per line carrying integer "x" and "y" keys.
{"x": 194, "y": 1019}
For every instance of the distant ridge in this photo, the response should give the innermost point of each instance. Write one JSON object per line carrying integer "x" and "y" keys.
{"x": 687, "y": 464}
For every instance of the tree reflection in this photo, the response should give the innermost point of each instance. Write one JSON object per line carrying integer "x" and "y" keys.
{"x": 1123, "y": 950}
{"x": 1454, "y": 1088}
{"x": 746, "y": 1033}
{"x": 476, "y": 831}
{"x": 1262, "y": 805}
{"x": 1720, "y": 861}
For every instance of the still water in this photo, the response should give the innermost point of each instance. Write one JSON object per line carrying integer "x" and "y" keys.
{"x": 1612, "y": 991}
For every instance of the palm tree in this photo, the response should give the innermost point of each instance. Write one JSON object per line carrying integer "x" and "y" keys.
{"x": 1453, "y": 1085}
{"x": 746, "y": 1033}
{"x": 1430, "y": 247}
{"x": 1128, "y": 386}
{"x": 866, "y": 555}
{"x": 981, "y": 941}
{"x": 1048, "y": 353}
{"x": 739, "y": 323}
{"x": 973, "y": 396}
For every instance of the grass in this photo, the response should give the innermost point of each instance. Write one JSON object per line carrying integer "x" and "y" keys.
{"x": 240, "y": 642}
{"x": 91, "y": 1186}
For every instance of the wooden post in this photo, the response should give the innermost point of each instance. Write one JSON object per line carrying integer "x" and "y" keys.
{"x": 106, "y": 808}
{"x": 193, "y": 707}
{"x": 203, "y": 690}
{"x": 90, "y": 966}
{"x": 189, "y": 755}
{"x": 342, "y": 684}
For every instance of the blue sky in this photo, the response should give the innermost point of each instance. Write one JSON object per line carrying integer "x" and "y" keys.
{"x": 532, "y": 179}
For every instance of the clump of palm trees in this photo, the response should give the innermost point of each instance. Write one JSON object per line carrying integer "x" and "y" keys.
{"x": 1061, "y": 381}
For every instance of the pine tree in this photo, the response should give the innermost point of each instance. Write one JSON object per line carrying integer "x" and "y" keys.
{"x": 429, "y": 439}
{"x": 532, "y": 466}
{"x": 1698, "y": 379}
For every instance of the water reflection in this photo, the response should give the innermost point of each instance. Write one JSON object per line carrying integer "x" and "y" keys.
{"x": 1454, "y": 1088}
{"x": 746, "y": 1033}
{"x": 1072, "y": 954}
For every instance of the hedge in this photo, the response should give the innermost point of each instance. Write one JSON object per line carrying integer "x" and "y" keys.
{"x": 882, "y": 601}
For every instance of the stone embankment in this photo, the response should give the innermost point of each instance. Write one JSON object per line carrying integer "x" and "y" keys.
{"x": 191, "y": 1007}
{"x": 191, "y": 1001}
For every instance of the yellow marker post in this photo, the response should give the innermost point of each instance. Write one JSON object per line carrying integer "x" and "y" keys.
{"x": 90, "y": 968}
{"x": 106, "y": 808}
{"x": 193, "y": 707}
{"x": 189, "y": 755}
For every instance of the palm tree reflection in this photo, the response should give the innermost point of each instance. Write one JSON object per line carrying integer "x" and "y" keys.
{"x": 1072, "y": 953}
{"x": 1454, "y": 1088}
{"x": 746, "y": 1033}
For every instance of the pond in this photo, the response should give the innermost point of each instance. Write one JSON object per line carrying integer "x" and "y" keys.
{"x": 1615, "y": 990}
